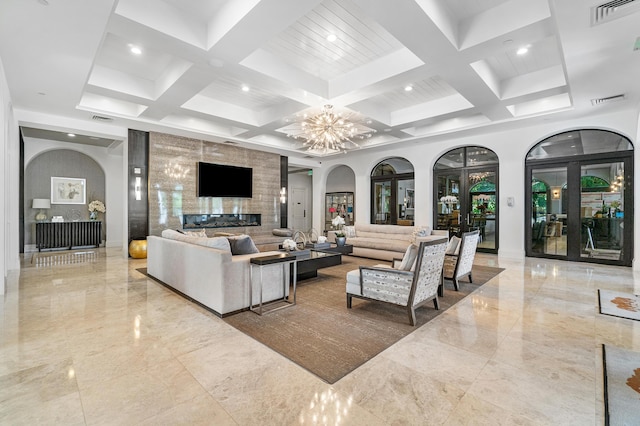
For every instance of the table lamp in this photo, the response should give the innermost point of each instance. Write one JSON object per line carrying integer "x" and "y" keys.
{"x": 41, "y": 203}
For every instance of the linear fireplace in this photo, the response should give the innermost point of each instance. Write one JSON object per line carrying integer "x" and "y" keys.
{"x": 193, "y": 221}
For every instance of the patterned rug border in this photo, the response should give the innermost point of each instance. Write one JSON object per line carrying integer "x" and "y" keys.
{"x": 600, "y": 307}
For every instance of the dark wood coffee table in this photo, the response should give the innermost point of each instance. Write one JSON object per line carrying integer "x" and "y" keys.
{"x": 309, "y": 261}
{"x": 345, "y": 249}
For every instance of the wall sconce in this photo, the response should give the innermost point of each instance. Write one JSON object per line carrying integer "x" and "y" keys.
{"x": 555, "y": 193}
{"x": 138, "y": 188}
{"x": 283, "y": 195}
{"x": 42, "y": 204}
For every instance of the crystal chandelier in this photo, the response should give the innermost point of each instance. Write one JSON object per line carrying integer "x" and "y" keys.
{"x": 329, "y": 132}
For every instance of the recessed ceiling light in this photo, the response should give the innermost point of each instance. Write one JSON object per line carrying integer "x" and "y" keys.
{"x": 408, "y": 88}
{"x": 135, "y": 50}
{"x": 71, "y": 135}
{"x": 332, "y": 38}
{"x": 522, "y": 50}
{"x": 245, "y": 88}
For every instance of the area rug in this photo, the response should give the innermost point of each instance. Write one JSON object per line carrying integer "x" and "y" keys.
{"x": 321, "y": 335}
{"x": 621, "y": 386}
{"x": 617, "y": 304}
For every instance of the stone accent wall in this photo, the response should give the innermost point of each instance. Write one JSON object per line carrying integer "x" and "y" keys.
{"x": 172, "y": 184}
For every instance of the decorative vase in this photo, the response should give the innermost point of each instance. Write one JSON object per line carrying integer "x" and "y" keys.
{"x": 93, "y": 215}
{"x": 138, "y": 248}
{"x": 341, "y": 241}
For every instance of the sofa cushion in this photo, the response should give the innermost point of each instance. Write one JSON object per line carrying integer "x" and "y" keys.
{"x": 242, "y": 244}
{"x": 454, "y": 246}
{"x": 409, "y": 258}
{"x": 385, "y": 232}
{"x": 380, "y": 243}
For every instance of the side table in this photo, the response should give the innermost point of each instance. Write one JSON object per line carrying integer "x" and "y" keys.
{"x": 261, "y": 262}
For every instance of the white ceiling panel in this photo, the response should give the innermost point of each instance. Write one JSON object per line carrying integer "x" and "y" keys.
{"x": 116, "y": 54}
{"x": 359, "y": 41}
{"x": 228, "y": 89}
{"x": 71, "y": 59}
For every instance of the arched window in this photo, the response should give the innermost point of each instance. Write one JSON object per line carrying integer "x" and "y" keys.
{"x": 392, "y": 192}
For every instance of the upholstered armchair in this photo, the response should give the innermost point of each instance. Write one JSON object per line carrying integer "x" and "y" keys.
{"x": 405, "y": 288}
{"x": 459, "y": 263}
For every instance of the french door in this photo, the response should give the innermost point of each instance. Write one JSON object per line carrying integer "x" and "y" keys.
{"x": 581, "y": 210}
{"x": 466, "y": 200}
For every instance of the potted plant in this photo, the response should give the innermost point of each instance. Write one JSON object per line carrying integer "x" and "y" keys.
{"x": 338, "y": 223}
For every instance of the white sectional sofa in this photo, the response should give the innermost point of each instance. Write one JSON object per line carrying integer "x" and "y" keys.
{"x": 386, "y": 242}
{"x": 203, "y": 269}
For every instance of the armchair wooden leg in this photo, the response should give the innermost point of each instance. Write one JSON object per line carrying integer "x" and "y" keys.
{"x": 436, "y": 303}
{"x": 455, "y": 284}
{"x": 470, "y": 280}
{"x": 441, "y": 289}
{"x": 349, "y": 301}
{"x": 412, "y": 316}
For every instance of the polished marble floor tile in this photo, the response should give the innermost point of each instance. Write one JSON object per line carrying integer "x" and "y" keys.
{"x": 87, "y": 338}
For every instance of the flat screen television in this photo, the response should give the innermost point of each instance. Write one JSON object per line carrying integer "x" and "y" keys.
{"x": 218, "y": 180}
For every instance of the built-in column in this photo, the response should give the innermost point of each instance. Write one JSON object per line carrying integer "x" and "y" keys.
{"x": 138, "y": 165}
{"x": 284, "y": 183}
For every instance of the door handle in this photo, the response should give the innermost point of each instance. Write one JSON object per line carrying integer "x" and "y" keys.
{"x": 304, "y": 213}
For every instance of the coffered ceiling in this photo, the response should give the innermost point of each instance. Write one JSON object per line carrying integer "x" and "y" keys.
{"x": 238, "y": 70}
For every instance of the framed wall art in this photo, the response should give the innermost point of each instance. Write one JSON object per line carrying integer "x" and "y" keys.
{"x": 66, "y": 190}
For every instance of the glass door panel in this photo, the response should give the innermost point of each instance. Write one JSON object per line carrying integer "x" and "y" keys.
{"x": 549, "y": 215}
{"x": 482, "y": 207}
{"x": 382, "y": 204}
{"x": 406, "y": 202}
{"x": 602, "y": 210}
{"x": 448, "y": 202}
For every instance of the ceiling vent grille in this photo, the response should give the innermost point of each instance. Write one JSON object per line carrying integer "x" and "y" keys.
{"x": 101, "y": 118}
{"x": 600, "y": 101}
{"x": 612, "y": 10}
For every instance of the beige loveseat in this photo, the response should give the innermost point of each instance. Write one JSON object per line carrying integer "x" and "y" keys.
{"x": 204, "y": 270}
{"x": 386, "y": 242}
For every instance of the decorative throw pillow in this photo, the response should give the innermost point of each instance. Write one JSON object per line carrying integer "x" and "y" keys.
{"x": 221, "y": 243}
{"x": 242, "y": 244}
{"x": 454, "y": 246}
{"x": 200, "y": 233}
{"x": 420, "y": 231}
{"x": 282, "y": 232}
{"x": 349, "y": 231}
{"x": 409, "y": 258}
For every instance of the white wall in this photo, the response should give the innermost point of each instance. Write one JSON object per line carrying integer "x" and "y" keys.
{"x": 511, "y": 146}
{"x": 9, "y": 184}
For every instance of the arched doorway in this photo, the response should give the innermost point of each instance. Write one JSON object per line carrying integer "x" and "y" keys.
{"x": 340, "y": 196}
{"x": 466, "y": 194}
{"x": 580, "y": 197}
{"x": 392, "y": 192}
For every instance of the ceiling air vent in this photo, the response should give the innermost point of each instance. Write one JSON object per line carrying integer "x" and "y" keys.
{"x": 600, "y": 101}
{"x": 612, "y": 10}
{"x": 101, "y": 118}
